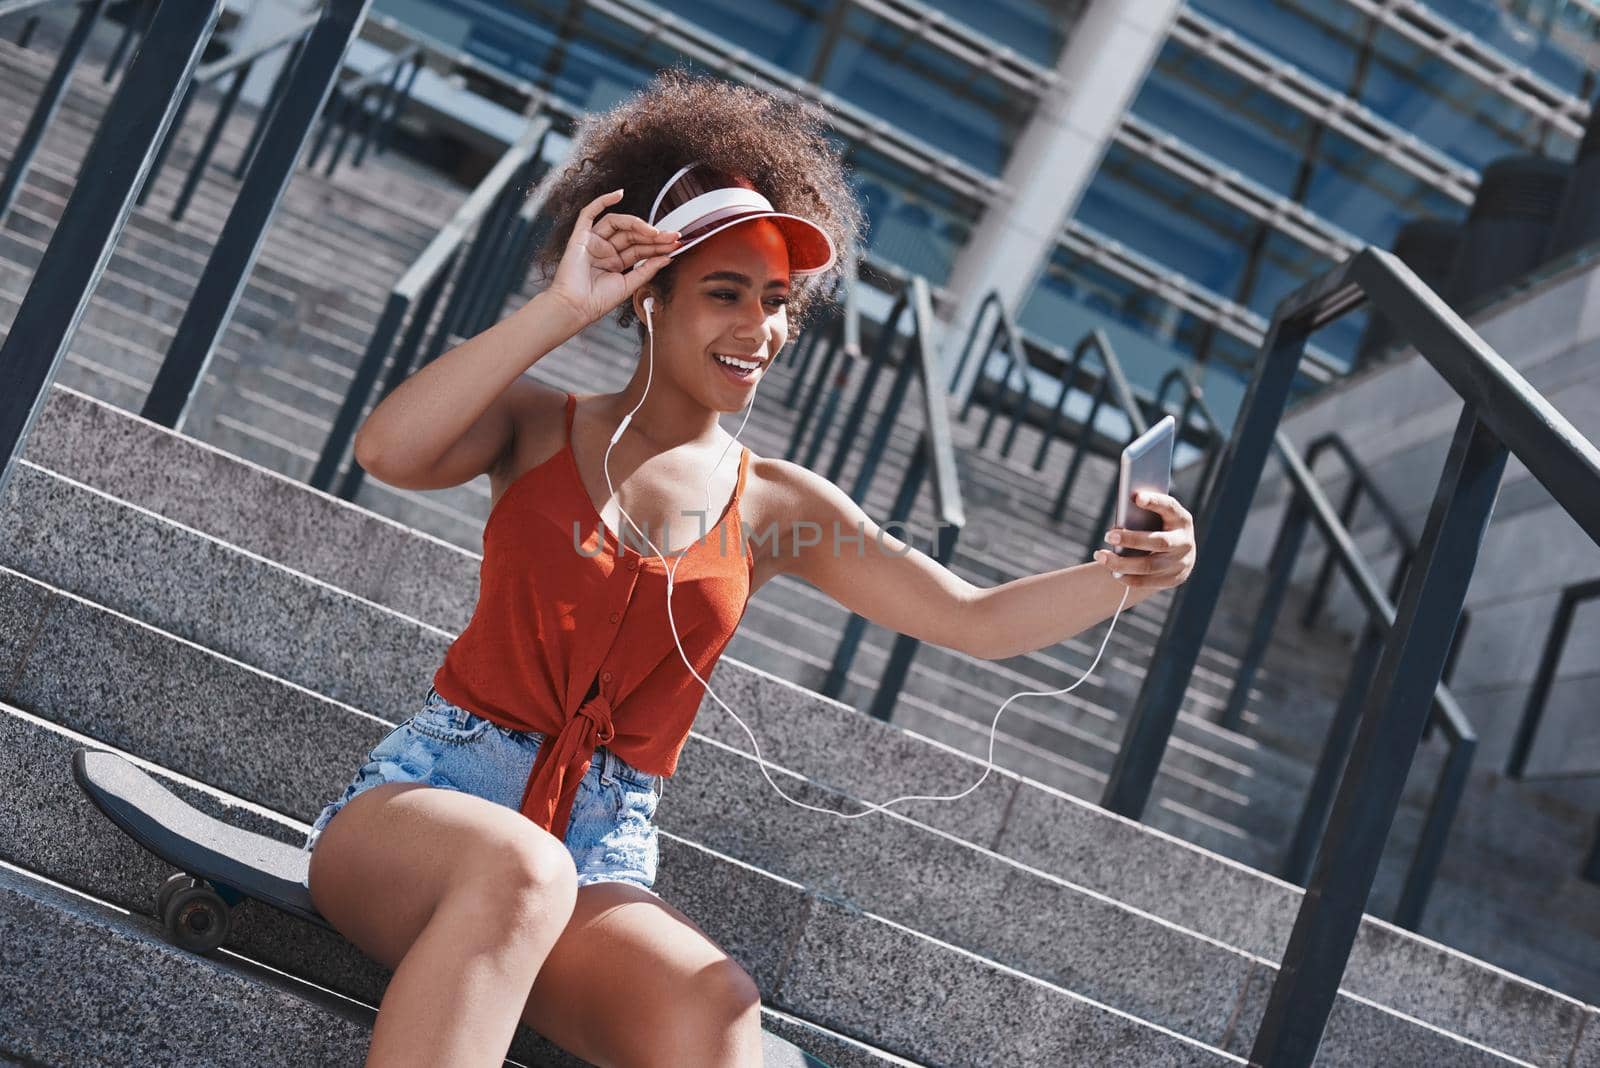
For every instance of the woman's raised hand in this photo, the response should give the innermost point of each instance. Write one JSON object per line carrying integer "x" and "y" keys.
{"x": 608, "y": 259}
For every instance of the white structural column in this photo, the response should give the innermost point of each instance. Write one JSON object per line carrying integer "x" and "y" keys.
{"x": 1101, "y": 68}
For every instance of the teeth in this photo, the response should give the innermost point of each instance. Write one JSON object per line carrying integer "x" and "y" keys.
{"x": 743, "y": 365}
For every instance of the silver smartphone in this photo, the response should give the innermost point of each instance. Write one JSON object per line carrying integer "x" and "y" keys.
{"x": 1146, "y": 465}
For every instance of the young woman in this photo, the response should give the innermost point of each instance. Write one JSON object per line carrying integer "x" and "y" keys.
{"x": 497, "y": 850}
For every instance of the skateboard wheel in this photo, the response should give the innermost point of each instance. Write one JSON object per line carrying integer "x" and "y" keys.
{"x": 197, "y": 919}
{"x": 174, "y": 883}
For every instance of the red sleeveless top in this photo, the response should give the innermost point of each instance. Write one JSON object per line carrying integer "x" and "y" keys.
{"x": 570, "y": 635}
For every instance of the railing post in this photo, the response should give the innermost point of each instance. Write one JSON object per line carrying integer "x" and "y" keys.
{"x": 1285, "y": 548}
{"x": 1221, "y": 521}
{"x": 197, "y": 168}
{"x": 118, "y": 159}
{"x": 1319, "y": 586}
{"x": 399, "y": 370}
{"x": 264, "y": 116}
{"x": 244, "y": 231}
{"x": 1435, "y": 832}
{"x": 49, "y": 103}
{"x": 1391, "y": 728}
{"x": 1302, "y": 852}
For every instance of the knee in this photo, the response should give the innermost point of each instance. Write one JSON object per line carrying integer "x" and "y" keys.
{"x": 530, "y": 881}
{"x": 725, "y": 996}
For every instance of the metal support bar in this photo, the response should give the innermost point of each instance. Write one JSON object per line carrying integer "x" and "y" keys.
{"x": 49, "y": 103}
{"x": 242, "y": 235}
{"x": 1435, "y": 832}
{"x": 118, "y": 159}
{"x": 1313, "y": 819}
{"x": 264, "y": 116}
{"x": 197, "y": 169}
{"x": 1385, "y": 748}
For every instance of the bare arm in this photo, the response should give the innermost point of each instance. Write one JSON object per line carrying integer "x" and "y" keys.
{"x": 824, "y": 537}
{"x": 455, "y": 418}
{"x": 1036, "y": 611}
{"x": 452, "y": 419}
{"x": 896, "y": 586}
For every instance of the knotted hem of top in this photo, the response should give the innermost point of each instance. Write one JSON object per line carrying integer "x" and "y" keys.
{"x": 562, "y": 762}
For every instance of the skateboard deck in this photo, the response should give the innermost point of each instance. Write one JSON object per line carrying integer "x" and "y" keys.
{"x": 221, "y": 865}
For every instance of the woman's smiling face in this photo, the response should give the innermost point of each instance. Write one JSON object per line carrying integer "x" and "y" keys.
{"x": 729, "y": 297}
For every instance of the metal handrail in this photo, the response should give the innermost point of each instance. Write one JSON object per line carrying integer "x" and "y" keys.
{"x": 1555, "y": 644}
{"x": 1501, "y": 414}
{"x": 1006, "y": 331}
{"x": 50, "y": 97}
{"x": 934, "y": 449}
{"x": 1361, "y": 482}
{"x": 239, "y": 65}
{"x": 353, "y": 97}
{"x": 1308, "y": 503}
{"x": 419, "y": 289}
{"x": 237, "y": 246}
{"x": 97, "y": 208}
{"x": 1194, "y": 399}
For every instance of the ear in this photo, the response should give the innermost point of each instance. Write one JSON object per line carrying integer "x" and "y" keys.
{"x": 638, "y": 302}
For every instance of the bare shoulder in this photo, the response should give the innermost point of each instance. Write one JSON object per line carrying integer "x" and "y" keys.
{"x": 783, "y": 497}
{"x": 538, "y": 426}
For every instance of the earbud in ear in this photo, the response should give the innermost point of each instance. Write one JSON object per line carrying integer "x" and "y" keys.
{"x": 650, "y": 304}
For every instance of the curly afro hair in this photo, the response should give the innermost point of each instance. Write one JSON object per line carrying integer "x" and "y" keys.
{"x": 777, "y": 142}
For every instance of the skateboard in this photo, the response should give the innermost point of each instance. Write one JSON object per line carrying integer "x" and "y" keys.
{"x": 220, "y": 866}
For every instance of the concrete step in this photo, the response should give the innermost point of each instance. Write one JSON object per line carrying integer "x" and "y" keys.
{"x": 260, "y": 509}
{"x": 836, "y": 881}
{"x": 818, "y": 753}
{"x": 53, "y": 929}
{"x": 813, "y": 958}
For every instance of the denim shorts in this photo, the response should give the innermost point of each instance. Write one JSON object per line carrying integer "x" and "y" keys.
{"x": 611, "y": 832}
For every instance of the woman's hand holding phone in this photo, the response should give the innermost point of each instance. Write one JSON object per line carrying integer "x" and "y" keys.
{"x": 1171, "y": 550}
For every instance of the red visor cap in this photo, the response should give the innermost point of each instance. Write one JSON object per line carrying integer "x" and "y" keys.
{"x": 698, "y": 202}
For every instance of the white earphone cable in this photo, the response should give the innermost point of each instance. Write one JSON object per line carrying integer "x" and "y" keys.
{"x": 649, "y": 304}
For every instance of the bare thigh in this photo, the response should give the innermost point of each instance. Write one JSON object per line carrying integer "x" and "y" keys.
{"x": 633, "y": 981}
{"x": 411, "y": 843}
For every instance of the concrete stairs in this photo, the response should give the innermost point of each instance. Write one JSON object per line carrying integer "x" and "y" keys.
{"x": 1021, "y": 925}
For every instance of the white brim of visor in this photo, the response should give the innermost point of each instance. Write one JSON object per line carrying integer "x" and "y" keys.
{"x": 808, "y": 243}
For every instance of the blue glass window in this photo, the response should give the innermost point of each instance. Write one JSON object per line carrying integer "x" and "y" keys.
{"x": 1034, "y": 29}
{"x": 925, "y": 92}
{"x": 1159, "y": 214}
{"x": 1224, "y": 116}
{"x": 1321, "y": 39}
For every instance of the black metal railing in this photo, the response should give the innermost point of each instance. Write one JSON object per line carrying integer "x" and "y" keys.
{"x": 1285, "y": 554}
{"x": 1501, "y": 414}
{"x": 933, "y": 455}
{"x": 239, "y": 65}
{"x": 1308, "y": 504}
{"x": 481, "y": 257}
{"x": 353, "y": 107}
{"x": 221, "y": 284}
{"x": 1555, "y": 643}
{"x": 1021, "y": 354}
{"x": 117, "y": 162}
{"x": 55, "y": 88}
{"x": 1215, "y": 439}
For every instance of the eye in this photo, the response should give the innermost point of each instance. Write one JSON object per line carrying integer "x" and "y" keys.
{"x": 780, "y": 301}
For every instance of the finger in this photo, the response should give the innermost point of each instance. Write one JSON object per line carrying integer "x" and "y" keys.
{"x": 1161, "y": 503}
{"x": 642, "y": 273}
{"x": 585, "y": 221}
{"x": 1136, "y": 564}
{"x": 1155, "y": 540}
